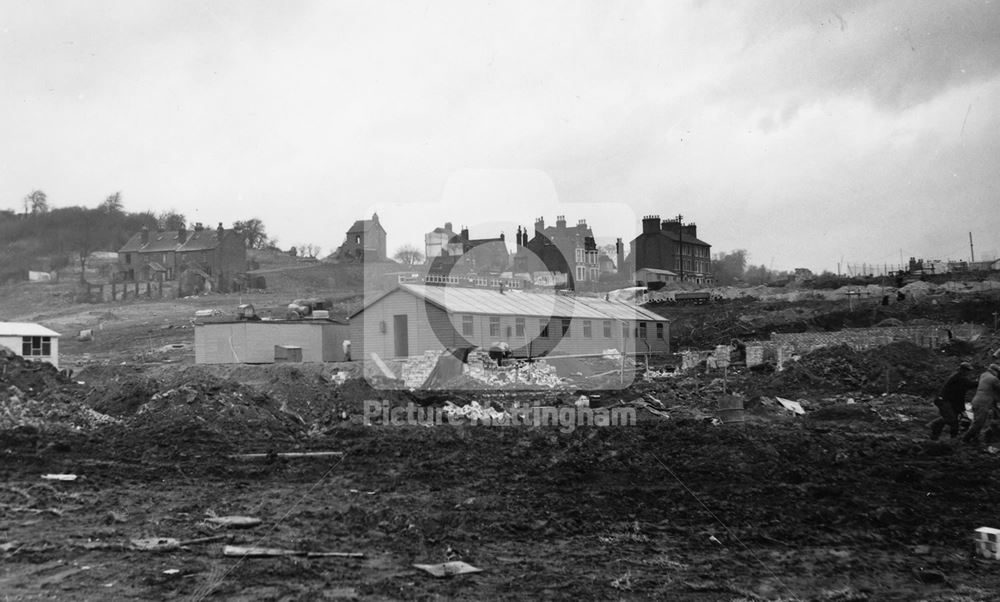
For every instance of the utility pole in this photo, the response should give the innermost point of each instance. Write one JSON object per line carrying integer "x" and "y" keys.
{"x": 972, "y": 252}
{"x": 680, "y": 244}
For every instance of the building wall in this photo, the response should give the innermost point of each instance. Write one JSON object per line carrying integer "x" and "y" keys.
{"x": 14, "y": 344}
{"x": 660, "y": 252}
{"x": 431, "y": 329}
{"x": 253, "y": 342}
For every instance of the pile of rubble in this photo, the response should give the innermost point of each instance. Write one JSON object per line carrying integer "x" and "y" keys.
{"x": 19, "y": 409}
{"x": 515, "y": 374}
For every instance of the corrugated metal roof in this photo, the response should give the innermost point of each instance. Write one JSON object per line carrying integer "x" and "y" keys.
{"x": 25, "y": 329}
{"x": 492, "y": 302}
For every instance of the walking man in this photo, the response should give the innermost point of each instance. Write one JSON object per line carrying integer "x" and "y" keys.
{"x": 951, "y": 401}
{"x": 984, "y": 403}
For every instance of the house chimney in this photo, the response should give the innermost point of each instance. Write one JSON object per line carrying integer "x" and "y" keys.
{"x": 447, "y": 226}
{"x": 220, "y": 231}
{"x": 650, "y": 224}
{"x": 672, "y": 225}
{"x": 620, "y": 255}
{"x": 198, "y": 227}
{"x": 144, "y": 235}
{"x": 560, "y": 221}
{"x": 182, "y": 236}
{"x": 690, "y": 230}
{"x": 539, "y": 225}
{"x": 502, "y": 237}
{"x": 375, "y": 217}
{"x": 519, "y": 243}
{"x": 465, "y": 233}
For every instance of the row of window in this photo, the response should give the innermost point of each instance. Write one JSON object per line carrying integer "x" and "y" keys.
{"x": 581, "y": 274}
{"x": 36, "y": 346}
{"x": 584, "y": 256}
{"x": 695, "y": 251}
{"x": 640, "y": 331}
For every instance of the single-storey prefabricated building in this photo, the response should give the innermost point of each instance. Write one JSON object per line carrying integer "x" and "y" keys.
{"x": 31, "y": 341}
{"x": 254, "y": 341}
{"x": 414, "y": 318}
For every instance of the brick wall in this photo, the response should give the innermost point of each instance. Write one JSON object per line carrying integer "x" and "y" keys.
{"x": 864, "y": 338}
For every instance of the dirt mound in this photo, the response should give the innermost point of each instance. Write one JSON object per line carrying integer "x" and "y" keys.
{"x": 26, "y": 375}
{"x": 896, "y": 367}
{"x": 215, "y": 411}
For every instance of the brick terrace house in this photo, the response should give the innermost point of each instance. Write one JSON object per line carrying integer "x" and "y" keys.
{"x": 219, "y": 256}
{"x": 672, "y": 246}
{"x": 364, "y": 241}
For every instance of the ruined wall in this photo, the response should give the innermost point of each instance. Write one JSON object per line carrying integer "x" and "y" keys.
{"x": 864, "y": 338}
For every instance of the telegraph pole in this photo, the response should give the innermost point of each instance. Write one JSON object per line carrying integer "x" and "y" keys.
{"x": 972, "y": 252}
{"x": 680, "y": 244}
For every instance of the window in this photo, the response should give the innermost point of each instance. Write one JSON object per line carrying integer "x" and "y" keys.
{"x": 494, "y": 326}
{"x": 36, "y": 346}
{"x": 357, "y": 239}
{"x": 565, "y": 327}
{"x": 579, "y": 255}
{"x": 581, "y": 273}
{"x": 519, "y": 327}
{"x": 659, "y": 331}
{"x": 607, "y": 329}
{"x": 544, "y": 333}
{"x": 586, "y": 329}
{"x": 128, "y": 258}
{"x": 624, "y": 331}
{"x": 594, "y": 274}
{"x": 467, "y": 326}
{"x": 642, "y": 330}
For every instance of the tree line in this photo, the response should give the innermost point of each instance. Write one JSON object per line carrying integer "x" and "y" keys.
{"x": 70, "y": 234}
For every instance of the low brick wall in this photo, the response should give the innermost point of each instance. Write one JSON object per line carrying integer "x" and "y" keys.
{"x": 864, "y": 338}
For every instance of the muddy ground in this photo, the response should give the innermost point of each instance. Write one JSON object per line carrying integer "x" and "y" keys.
{"x": 847, "y": 502}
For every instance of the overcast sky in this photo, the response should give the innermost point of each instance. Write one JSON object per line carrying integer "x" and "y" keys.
{"x": 804, "y": 132}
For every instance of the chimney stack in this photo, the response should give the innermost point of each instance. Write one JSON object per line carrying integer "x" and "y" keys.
{"x": 620, "y": 255}
{"x": 465, "y": 233}
{"x": 651, "y": 224}
{"x": 220, "y": 230}
{"x": 182, "y": 235}
{"x": 447, "y": 226}
{"x": 561, "y": 221}
{"x": 540, "y": 225}
{"x": 144, "y": 235}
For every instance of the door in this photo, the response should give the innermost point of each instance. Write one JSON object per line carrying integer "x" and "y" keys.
{"x": 401, "y": 333}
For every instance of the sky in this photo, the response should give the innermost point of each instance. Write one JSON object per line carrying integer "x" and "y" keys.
{"x": 809, "y": 133}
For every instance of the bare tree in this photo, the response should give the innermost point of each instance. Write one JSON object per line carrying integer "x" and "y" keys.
{"x": 309, "y": 250}
{"x": 254, "y": 232}
{"x": 37, "y": 202}
{"x": 113, "y": 204}
{"x": 408, "y": 255}
{"x": 172, "y": 220}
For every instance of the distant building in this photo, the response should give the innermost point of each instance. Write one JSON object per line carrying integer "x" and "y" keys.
{"x": 254, "y": 342}
{"x": 216, "y": 259}
{"x": 461, "y": 255}
{"x": 31, "y": 341}
{"x": 654, "y": 278}
{"x": 672, "y": 246}
{"x": 561, "y": 250}
{"x": 436, "y": 241}
{"x": 412, "y": 319}
{"x": 364, "y": 241}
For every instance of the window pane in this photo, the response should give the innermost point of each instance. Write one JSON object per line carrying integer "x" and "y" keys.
{"x": 46, "y": 346}
{"x": 519, "y": 327}
{"x": 565, "y": 327}
{"x": 494, "y": 326}
{"x": 607, "y": 329}
{"x": 467, "y": 325}
{"x": 544, "y": 333}
{"x": 25, "y": 346}
{"x": 586, "y": 329}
